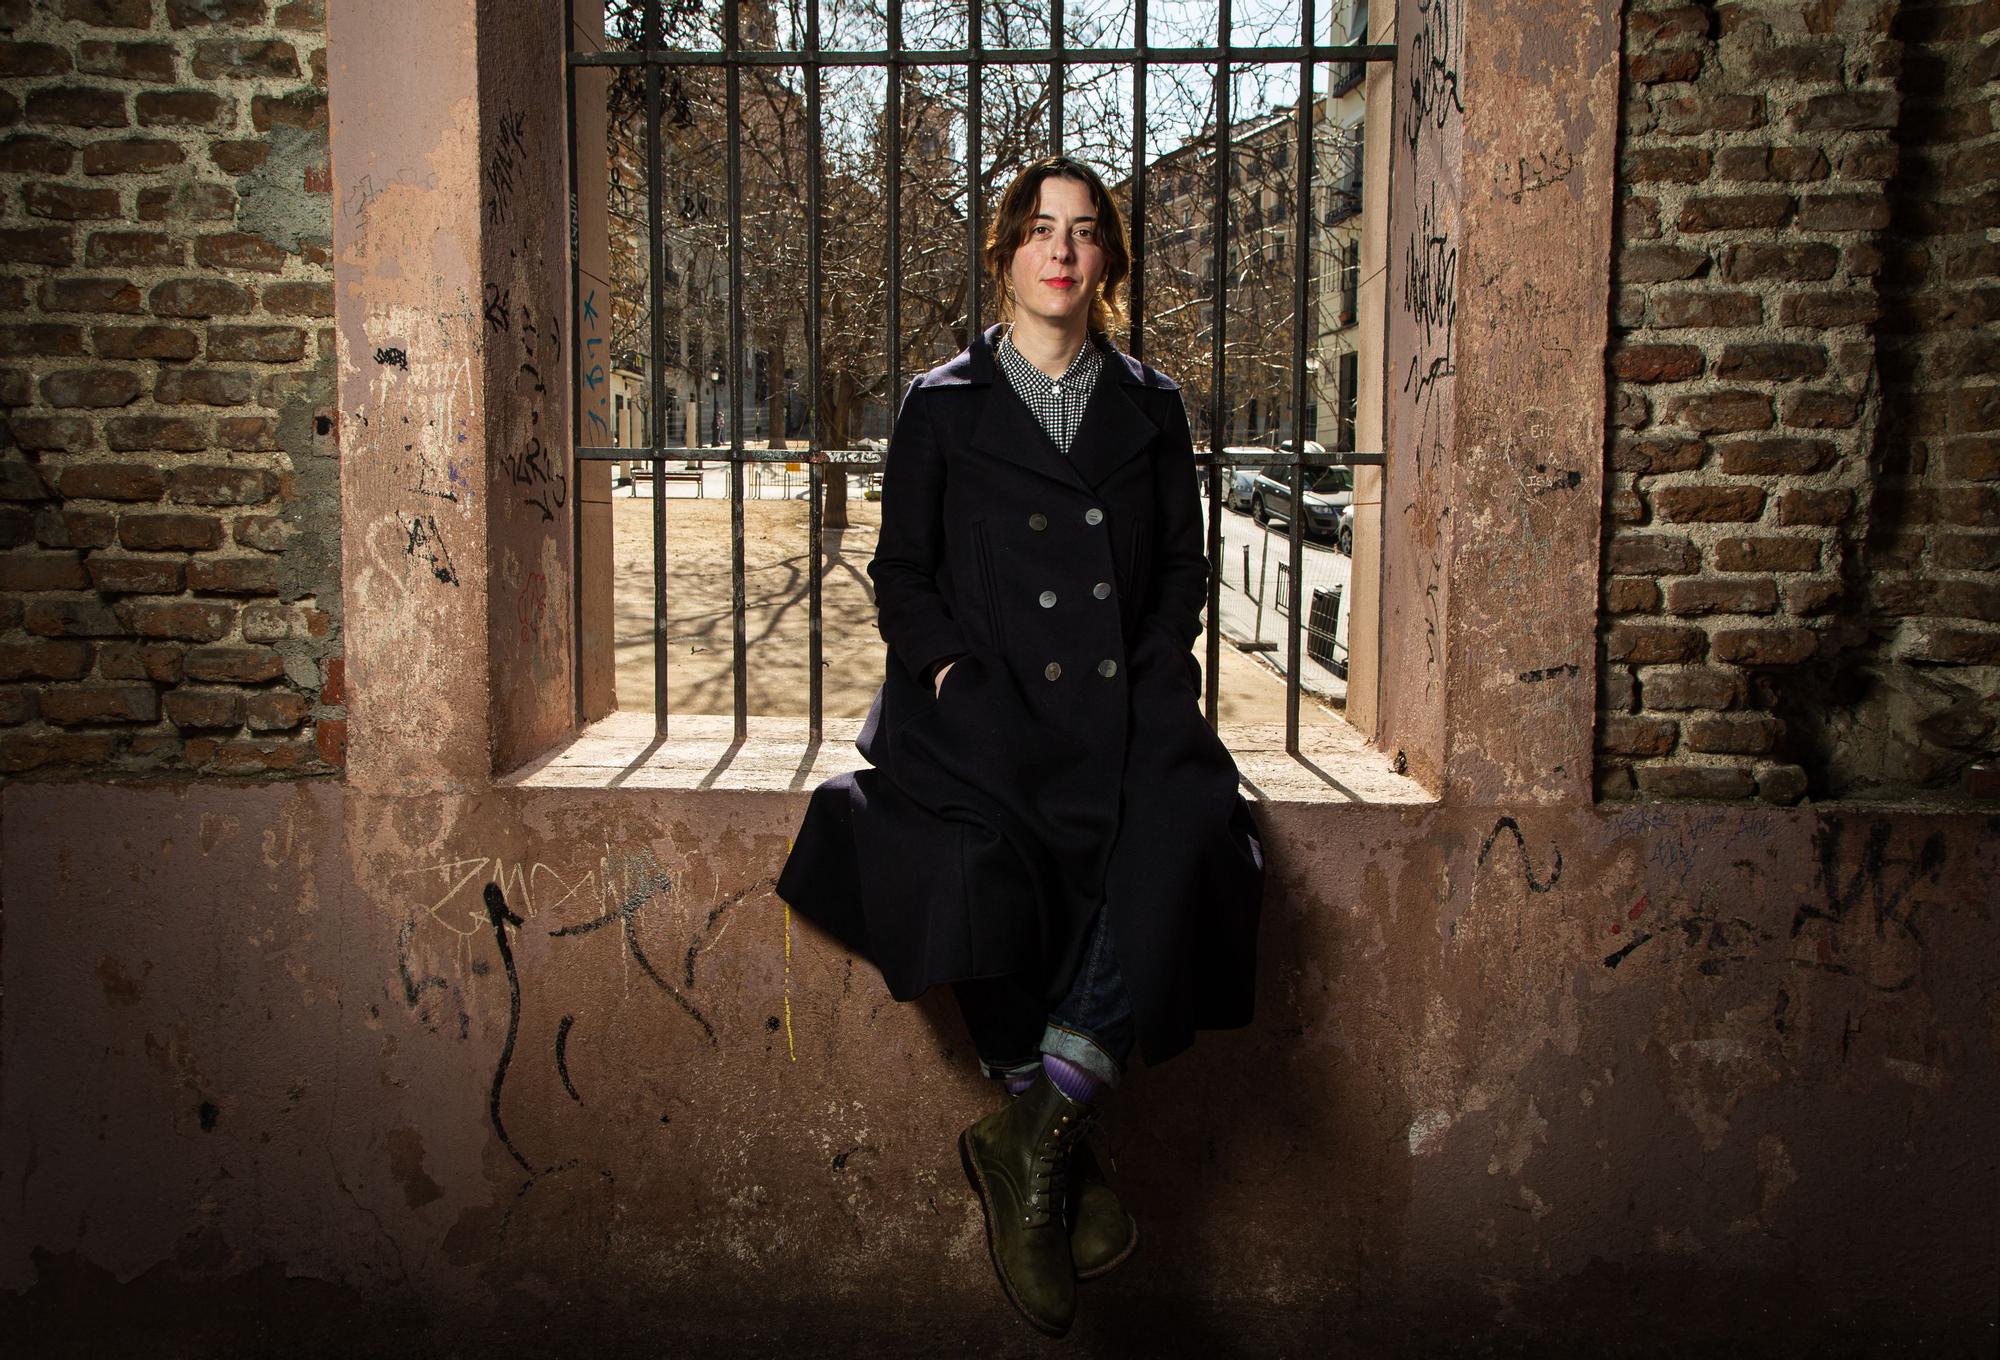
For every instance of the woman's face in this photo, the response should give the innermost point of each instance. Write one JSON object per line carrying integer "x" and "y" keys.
{"x": 1056, "y": 270}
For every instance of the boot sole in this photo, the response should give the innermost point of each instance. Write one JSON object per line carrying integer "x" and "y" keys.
{"x": 992, "y": 1252}
{"x": 1131, "y": 1245}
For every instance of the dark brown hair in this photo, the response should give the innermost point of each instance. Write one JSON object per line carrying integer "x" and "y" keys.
{"x": 1017, "y": 211}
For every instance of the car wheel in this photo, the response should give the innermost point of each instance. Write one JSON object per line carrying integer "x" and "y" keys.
{"x": 1347, "y": 540}
{"x": 1257, "y": 511}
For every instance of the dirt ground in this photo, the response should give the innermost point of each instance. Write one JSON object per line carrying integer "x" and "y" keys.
{"x": 776, "y": 614}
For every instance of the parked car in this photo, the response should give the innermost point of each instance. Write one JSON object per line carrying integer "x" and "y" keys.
{"x": 1239, "y": 482}
{"x": 1329, "y": 500}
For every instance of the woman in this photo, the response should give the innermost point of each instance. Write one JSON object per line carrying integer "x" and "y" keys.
{"x": 1048, "y": 824}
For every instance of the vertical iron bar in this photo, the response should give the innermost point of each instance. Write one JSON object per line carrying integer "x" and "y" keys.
{"x": 975, "y": 74}
{"x": 732, "y": 13}
{"x": 1301, "y": 272}
{"x": 1056, "y": 78}
{"x": 576, "y": 558}
{"x": 893, "y": 116}
{"x": 1136, "y": 285}
{"x": 656, "y": 361}
{"x": 1218, "y": 393}
{"x": 815, "y": 469}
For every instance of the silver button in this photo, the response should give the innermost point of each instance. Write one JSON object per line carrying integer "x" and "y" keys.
{"x": 1048, "y": 598}
{"x": 1093, "y": 516}
{"x": 1053, "y": 670}
{"x": 1102, "y": 590}
{"x": 1107, "y": 668}
{"x": 1038, "y": 521}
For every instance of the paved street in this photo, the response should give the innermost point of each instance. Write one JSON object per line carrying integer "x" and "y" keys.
{"x": 1255, "y": 567}
{"x": 1253, "y": 564}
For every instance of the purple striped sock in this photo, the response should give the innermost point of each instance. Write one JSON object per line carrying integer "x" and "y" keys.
{"x": 1073, "y": 1081}
{"x": 1016, "y": 1085}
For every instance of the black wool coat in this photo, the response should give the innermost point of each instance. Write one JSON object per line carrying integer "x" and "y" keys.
{"x": 1065, "y": 764}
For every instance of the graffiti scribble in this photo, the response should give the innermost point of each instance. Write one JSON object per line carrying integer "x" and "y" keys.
{"x": 1527, "y": 869}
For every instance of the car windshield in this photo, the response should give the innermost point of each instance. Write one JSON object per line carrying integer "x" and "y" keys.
{"x": 1334, "y": 479}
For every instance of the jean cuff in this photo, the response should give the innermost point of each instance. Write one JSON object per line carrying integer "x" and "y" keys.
{"x": 1027, "y": 1067}
{"x": 1073, "y": 1045}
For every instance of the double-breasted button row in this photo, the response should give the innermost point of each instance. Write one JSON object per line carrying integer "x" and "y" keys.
{"x": 1102, "y": 590}
{"x": 1047, "y": 599}
{"x": 1106, "y": 668}
{"x": 1039, "y": 521}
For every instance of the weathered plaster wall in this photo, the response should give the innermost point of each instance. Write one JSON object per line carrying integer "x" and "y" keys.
{"x": 420, "y": 1065}
{"x": 414, "y": 436}
{"x": 1419, "y": 423}
{"x": 1502, "y": 1063}
{"x": 530, "y": 513}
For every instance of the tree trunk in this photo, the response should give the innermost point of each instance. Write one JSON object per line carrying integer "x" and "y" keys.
{"x": 774, "y": 370}
{"x": 834, "y": 410}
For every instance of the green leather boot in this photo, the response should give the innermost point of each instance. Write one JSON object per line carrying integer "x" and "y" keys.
{"x": 1101, "y": 1234}
{"x": 1017, "y": 1159}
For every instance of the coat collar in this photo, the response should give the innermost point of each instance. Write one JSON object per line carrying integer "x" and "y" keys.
{"x": 975, "y": 366}
{"x": 1112, "y": 433}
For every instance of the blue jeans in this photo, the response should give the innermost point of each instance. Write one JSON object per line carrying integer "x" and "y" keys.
{"x": 1091, "y": 1026}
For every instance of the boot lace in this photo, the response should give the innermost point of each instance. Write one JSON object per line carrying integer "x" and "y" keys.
{"x": 1050, "y": 1174}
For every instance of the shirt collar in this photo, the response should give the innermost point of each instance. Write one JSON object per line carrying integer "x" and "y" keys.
{"x": 1083, "y": 367}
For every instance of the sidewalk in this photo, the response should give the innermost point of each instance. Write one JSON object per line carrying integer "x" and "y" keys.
{"x": 776, "y": 592}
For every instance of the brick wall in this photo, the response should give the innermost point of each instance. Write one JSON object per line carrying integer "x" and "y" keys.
{"x": 168, "y": 493}
{"x": 1800, "y": 514}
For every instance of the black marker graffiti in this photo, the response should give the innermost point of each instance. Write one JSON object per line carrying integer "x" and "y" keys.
{"x": 626, "y": 914}
{"x": 700, "y": 942}
{"x": 532, "y": 467}
{"x": 1567, "y": 668}
{"x": 1432, "y": 66}
{"x": 562, "y": 1057}
{"x": 1566, "y": 479}
{"x": 498, "y": 306}
{"x": 414, "y": 987}
{"x": 1525, "y": 176}
{"x": 394, "y": 358}
{"x": 1891, "y": 906}
{"x": 1527, "y": 869}
{"x": 500, "y": 917}
{"x": 1430, "y": 279}
{"x": 426, "y": 543}
{"x": 508, "y": 157}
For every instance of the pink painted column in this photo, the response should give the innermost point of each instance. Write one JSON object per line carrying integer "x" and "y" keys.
{"x": 451, "y": 311}
{"x": 1499, "y": 266}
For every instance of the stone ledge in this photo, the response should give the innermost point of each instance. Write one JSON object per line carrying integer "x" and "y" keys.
{"x": 1337, "y": 765}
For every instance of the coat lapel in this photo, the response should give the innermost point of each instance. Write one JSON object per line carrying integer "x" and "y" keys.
{"x": 1113, "y": 431}
{"x": 1008, "y": 429}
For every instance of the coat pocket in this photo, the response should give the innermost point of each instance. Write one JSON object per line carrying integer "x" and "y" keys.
{"x": 989, "y": 584}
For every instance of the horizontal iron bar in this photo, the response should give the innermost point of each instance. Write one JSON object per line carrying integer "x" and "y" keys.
{"x": 998, "y": 56}
{"x": 721, "y": 456}
{"x": 598, "y": 453}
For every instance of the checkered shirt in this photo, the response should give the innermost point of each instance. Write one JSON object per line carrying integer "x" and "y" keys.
{"x": 1057, "y": 402}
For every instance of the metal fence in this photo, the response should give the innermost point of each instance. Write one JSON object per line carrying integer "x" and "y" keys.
{"x": 812, "y": 59}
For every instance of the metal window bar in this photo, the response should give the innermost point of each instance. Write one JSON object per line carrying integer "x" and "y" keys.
{"x": 813, "y": 59}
